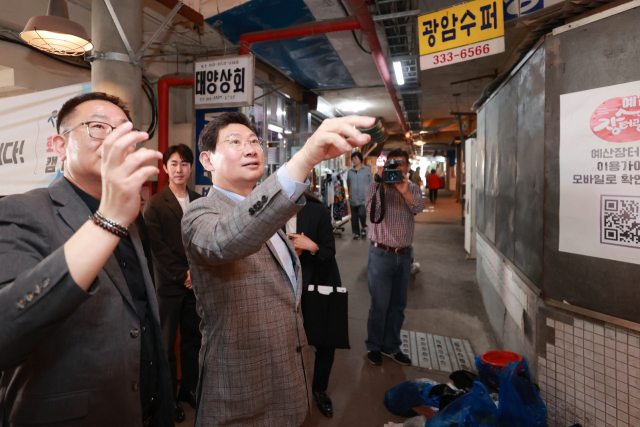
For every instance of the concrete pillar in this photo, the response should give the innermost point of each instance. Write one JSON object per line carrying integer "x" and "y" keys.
{"x": 118, "y": 78}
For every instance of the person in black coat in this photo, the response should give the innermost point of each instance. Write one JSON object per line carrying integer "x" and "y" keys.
{"x": 176, "y": 299}
{"x": 316, "y": 247}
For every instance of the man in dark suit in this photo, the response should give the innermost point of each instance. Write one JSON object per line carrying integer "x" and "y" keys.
{"x": 80, "y": 342}
{"x": 176, "y": 299}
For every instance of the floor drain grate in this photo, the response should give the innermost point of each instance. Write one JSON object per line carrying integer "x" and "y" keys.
{"x": 438, "y": 352}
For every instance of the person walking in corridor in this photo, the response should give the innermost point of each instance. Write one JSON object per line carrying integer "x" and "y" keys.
{"x": 254, "y": 363}
{"x": 389, "y": 265}
{"x": 312, "y": 234}
{"x": 433, "y": 183}
{"x": 358, "y": 180}
{"x": 176, "y": 300}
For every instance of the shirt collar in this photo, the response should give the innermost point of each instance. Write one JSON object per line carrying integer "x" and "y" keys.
{"x": 230, "y": 194}
{"x": 92, "y": 203}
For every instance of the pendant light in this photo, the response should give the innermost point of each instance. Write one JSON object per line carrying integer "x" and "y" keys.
{"x": 56, "y": 33}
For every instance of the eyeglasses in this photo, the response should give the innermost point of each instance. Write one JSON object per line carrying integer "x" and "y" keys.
{"x": 238, "y": 145}
{"x": 96, "y": 130}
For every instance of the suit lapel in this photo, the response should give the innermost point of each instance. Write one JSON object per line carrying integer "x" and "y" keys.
{"x": 75, "y": 213}
{"x": 296, "y": 263}
{"x": 142, "y": 259}
{"x": 172, "y": 202}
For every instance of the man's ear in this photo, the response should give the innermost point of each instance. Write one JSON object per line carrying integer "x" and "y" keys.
{"x": 60, "y": 147}
{"x": 165, "y": 168}
{"x": 206, "y": 161}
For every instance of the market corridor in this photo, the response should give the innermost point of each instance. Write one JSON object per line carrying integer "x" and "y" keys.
{"x": 444, "y": 299}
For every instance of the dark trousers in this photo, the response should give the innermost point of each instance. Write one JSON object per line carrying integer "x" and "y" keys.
{"x": 322, "y": 368}
{"x": 388, "y": 274}
{"x": 433, "y": 195}
{"x": 358, "y": 213}
{"x": 180, "y": 311}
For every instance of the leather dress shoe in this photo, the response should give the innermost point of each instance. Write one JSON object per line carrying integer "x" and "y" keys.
{"x": 188, "y": 397}
{"x": 179, "y": 412}
{"x": 324, "y": 403}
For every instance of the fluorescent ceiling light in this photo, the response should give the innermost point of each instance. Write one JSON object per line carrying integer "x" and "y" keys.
{"x": 287, "y": 132}
{"x": 424, "y": 131}
{"x": 397, "y": 67}
{"x": 274, "y": 128}
{"x": 354, "y": 106}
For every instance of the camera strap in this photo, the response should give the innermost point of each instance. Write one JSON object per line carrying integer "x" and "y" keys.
{"x": 372, "y": 215}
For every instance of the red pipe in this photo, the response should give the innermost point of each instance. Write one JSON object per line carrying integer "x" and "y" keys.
{"x": 308, "y": 29}
{"x": 368, "y": 28}
{"x": 163, "y": 119}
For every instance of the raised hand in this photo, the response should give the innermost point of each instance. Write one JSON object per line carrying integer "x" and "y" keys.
{"x": 123, "y": 173}
{"x": 333, "y": 138}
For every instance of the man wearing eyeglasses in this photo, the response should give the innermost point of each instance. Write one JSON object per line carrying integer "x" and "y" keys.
{"x": 80, "y": 342}
{"x": 246, "y": 275}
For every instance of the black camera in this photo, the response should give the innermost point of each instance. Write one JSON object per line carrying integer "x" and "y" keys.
{"x": 391, "y": 174}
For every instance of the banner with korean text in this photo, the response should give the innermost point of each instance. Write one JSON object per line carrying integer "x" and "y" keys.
{"x": 460, "y": 33}
{"x": 600, "y": 173}
{"x": 226, "y": 82}
{"x": 27, "y": 158}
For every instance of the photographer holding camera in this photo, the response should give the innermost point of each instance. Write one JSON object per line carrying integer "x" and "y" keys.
{"x": 391, "y": 201}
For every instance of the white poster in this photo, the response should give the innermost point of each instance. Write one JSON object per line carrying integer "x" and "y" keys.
{"x": 600, "y": 173}
{"x": 27, "y": 159}
{"x": 226, "y": 82}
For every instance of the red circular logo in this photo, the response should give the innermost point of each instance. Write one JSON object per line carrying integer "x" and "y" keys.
{"x": 617, "y": 120}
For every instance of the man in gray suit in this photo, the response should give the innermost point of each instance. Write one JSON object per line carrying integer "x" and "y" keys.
{"x": 254, "y": 367}
{"x": 80, "y": 341}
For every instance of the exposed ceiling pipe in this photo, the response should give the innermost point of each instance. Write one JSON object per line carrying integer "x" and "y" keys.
{"x": 163, "y": 117}
{"x": 307, "y": 29}
{"x": 367, "y": 26}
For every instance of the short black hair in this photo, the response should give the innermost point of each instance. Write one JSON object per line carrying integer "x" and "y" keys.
{"x": 357, "y": 154}
{"x": 67, "y": 109}
{"x": 184, "y": 151}
{"x": 433, "y": 171}
{"x": 209, "y": 135}
{"x": 399, "y": 152}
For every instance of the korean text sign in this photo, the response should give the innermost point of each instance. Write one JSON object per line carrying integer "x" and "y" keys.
{"x": 600, "y": 173}
{"x": 226, "y": 82}
{"x": 27, "y": 156}
{"x": 460, "y": 33}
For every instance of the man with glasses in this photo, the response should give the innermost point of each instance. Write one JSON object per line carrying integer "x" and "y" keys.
{"x": 80, "y": 342}
{"x": 246, "y": 275}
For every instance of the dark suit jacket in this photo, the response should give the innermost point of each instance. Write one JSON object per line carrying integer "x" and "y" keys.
{"x": 163, "y": 214}
{"x": 68, "y": 356}
{"x": 321, "y": 269}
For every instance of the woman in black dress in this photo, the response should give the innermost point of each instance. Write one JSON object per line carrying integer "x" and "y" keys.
{"x": 312, "y": 234}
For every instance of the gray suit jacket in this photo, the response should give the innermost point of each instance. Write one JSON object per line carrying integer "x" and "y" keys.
{"x": 254, "y": 368}
{"x": 68, "y": 357}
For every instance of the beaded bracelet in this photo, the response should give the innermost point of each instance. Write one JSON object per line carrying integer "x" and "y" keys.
{"x": 109, "y": 225}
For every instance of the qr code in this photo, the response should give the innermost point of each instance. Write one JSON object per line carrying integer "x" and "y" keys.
{"x": 620, "y": 220}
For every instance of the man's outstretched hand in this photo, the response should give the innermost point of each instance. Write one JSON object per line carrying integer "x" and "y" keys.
{"x": 333, "y": 138}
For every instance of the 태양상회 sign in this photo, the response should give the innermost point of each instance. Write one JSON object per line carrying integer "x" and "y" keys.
{"x": 226, "y": 82}
{"x": 460, "y": 33}
{"x": 600, "y": 173}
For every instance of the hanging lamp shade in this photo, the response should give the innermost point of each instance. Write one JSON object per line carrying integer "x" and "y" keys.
{"x": 56, "y": 33}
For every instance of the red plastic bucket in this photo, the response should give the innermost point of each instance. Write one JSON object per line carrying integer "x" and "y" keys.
{"x": 499, "y": 359}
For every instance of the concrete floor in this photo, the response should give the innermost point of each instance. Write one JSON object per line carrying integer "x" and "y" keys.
{"x": 444, "y": 299}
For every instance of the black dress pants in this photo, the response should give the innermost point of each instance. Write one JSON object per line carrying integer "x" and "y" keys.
{"x": 322, "y": 369}
{"x": 180, "y": 311}
{"x": 358, "y": 213}
{"x": 433, "y": 195}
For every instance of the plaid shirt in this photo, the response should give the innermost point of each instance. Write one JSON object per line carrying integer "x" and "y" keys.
{"x": 396, "y": 230}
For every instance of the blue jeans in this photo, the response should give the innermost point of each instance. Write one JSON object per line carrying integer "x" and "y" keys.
{"x": 388, "y": 275}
